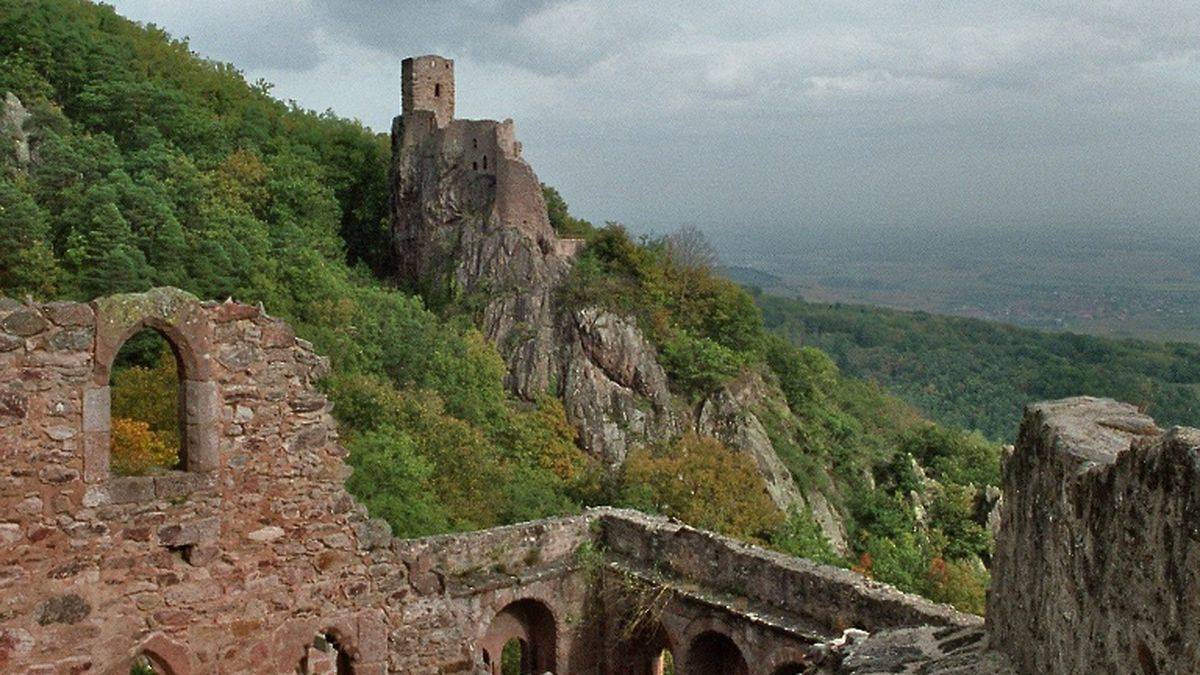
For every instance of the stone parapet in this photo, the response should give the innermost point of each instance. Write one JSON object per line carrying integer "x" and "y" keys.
{"x": 1097, "y": 563}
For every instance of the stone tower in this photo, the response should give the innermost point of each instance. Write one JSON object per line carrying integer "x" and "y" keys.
{"x": 427, "y": 83}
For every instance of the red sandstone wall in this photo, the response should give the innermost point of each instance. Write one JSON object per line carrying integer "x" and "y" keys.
{"x": 235, "y": 565}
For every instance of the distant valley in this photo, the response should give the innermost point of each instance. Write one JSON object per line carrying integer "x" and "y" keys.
{"x": 1116, "y": 283}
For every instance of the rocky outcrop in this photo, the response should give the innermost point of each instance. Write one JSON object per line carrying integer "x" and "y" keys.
{"x": 12, "y": 128}
{"x": 733, "y": 414}
{"x": 469, "y": 227}
{"x": 614, "y": 390}
{"x": 1097, "y": 566}
{"x": 728, "y": 415}
{"x": 480, "y": 239}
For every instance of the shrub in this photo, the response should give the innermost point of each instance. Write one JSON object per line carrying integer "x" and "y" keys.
{"x": 703, "y": 483}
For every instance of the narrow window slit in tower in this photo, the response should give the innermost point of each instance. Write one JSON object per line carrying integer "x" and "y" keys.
{"x": 437, "y": 89}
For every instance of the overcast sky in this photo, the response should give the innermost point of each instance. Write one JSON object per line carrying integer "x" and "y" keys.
{"x": 755, "y": 119}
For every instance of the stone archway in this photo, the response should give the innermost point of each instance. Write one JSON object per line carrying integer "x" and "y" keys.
{"x": 646, "y": 650}
{"x": 713, "y": 653}
{"x": 181, "y": 320}
{"x": 531, "y": 623}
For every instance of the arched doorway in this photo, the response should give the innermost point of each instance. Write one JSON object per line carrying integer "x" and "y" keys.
{"x": 647, "y": 651}
{"x": 522, "y": 639}
{"x": 712, "y": 653}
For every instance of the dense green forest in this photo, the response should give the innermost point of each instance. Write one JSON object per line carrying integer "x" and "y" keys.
{"x": 151, "y": 166}
{"x": 979, "y": 375}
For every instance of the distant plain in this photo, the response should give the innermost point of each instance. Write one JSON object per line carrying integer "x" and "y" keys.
{"x": 1110, "y": 282}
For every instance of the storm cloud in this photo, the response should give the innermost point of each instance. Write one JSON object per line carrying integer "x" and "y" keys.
{"x": 756, "y": 119}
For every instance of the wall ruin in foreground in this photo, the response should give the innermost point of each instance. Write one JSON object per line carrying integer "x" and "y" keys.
{"x": 241, "y": 560}
{"x": 254, "y": 558}
{"x": 1097, "y": 566}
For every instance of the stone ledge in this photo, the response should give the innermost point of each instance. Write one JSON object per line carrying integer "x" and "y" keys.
{"x": 827, "y": 595}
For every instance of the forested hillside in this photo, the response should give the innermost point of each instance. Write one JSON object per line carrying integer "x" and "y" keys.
{"x": 977, "y": 374}
{"x": 149, "y": 166}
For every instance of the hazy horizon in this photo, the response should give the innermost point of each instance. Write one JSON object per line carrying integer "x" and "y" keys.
{"x": 755, "y": 125}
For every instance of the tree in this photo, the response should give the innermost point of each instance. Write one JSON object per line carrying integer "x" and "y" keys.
{"x": 703, "y": 483}
{"x": 688, "y": 248}
{"x": 27, "y": 263}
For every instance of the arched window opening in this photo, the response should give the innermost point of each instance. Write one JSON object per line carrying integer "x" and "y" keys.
{"x": 474, "y": 166}
{"x": 485, "y": 162}
{"x": 712, "y": 653}
{"x": 147, "y": 407}
{"x": 325, "y": 657}
{"x": 437, "y": 90}
{"x": 521, "y": 640}
{"x": 647, "y": 649}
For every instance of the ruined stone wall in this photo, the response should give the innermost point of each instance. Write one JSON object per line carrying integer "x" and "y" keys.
{"x": 240, "y": 560}
{"x": 234, "y": 564}
{"x": 819, "y": 600}
{"x": 1097, "y": 563}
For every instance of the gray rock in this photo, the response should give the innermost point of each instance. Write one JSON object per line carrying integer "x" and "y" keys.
{"x": 68, "y": 608}
{"x": 12, "y": 126}
{"x": 10, "y": 342}
{"x": 24, "y": 322}
{"x": 72, "y": 339}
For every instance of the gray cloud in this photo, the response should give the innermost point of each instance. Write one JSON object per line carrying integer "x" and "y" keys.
{"x": 854, "y": 114}
{"x": 258, "y": 34}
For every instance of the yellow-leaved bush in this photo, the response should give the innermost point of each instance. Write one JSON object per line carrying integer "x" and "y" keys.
{"x": 700, "y": 481}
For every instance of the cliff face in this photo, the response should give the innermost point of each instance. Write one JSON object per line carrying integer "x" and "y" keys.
{"x": 469, "y": 227}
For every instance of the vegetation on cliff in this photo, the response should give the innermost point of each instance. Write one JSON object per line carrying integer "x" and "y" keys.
{"x": 979, "y": 375}
{"x": 151, "y": 166}
{"x": 912, "y": 492}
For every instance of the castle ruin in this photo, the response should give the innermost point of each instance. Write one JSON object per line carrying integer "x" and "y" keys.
{"x": 253, "y": 558}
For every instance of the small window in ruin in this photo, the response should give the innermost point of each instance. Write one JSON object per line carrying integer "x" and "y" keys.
{"x": 146, "y": 407}
{"x": 485, "y": 162}
{"x": 474, "y": 143}
{"x": 474, "y": 166}
{"x": 325, "y": 657}
{"x": 663, "y": 664}
{"x": 437, "y": 89}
